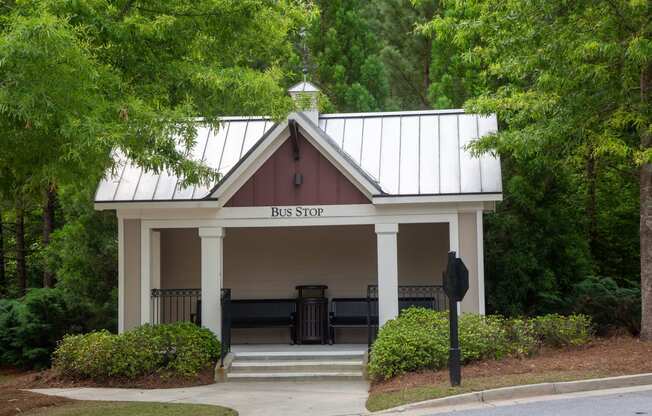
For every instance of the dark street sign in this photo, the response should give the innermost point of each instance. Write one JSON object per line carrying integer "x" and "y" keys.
{"x": 456, "y": 279}
{"x": 456, "y": 284}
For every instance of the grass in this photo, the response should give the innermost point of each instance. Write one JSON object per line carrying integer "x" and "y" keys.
{"x": 131, "y": 409}
{"x": 387, "y": 399}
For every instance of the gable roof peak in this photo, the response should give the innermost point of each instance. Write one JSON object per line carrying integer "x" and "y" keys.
{"x": 304, "y": 86}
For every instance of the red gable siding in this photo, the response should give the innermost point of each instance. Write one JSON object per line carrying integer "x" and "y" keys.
{"x": 273, "y": 183}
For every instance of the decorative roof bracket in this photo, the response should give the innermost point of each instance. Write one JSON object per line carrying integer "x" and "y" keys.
{"x": 294, "y": 137}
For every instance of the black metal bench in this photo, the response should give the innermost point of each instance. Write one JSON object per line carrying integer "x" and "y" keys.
{"x": 264, "y": 313}
{"x": 351, "y": 313}
{"x": 427, "y": 303}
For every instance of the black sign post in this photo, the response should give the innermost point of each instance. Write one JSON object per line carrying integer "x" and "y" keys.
{"x": 456, "y": 284}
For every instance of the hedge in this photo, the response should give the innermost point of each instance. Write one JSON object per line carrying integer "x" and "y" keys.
{"x": 179, "y": 349}
{"x": 419, "y": 339}
{"x": 31, "y": 327}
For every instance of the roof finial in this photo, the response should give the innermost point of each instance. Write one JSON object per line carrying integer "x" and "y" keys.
{"x": 304, "y": 53}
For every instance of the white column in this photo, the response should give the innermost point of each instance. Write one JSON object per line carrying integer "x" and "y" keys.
{"x": 121, "y": 274}
{"x": 155, "y": 269}
{"x": 145, "y": 274}
{"x": 155, "y": 248}
{"x": 480, "y": 246}
{"x": 212, "y": 244}
{"x": 454, "y": 242}
{"x": 387, "y": 272}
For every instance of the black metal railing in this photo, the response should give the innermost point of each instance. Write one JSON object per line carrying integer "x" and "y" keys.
{"x": 429, "y": 297}
{"x": 226, "y": 324}
{"x": 174, "y": 305}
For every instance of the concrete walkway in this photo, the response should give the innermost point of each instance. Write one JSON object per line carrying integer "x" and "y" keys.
{"x": 315, "y": 398}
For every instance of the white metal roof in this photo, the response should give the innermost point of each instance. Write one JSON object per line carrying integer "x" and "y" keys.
{"x": 303, "y": 86}
{"x": 406, "y": 153}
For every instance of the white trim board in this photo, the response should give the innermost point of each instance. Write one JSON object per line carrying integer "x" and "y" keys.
{"x": 349, "y": 210}
{"x": 442, "y": 198}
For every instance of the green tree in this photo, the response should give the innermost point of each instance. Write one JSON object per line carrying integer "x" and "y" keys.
{"x": 535, "y": 244}
{"x": 424, "y": 71}
{"x": 569, "y": 76}
{"x": 406, "y": 52}
{"x": 345, "y": 53}
{"x": 84, "y": 79}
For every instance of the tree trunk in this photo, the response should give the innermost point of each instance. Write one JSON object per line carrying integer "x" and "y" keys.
{"x": 427, "y": 58}
{"x": 3, "y": 277}
{"x": 48, "y": 228}
{"x": 591, "y": 208}
{"x": 646, "y": 216}
{"x": 21, "y": 265}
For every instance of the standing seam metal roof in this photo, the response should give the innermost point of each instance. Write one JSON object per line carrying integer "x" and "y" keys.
{"x": 406, "y": 153}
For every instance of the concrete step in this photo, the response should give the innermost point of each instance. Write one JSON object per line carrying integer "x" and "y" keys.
{"x": 300, "y": 356}
{"x": 301, "y": 366}
{"x": 295, "y": 376}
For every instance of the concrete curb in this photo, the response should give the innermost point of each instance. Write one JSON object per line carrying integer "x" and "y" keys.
{"x": 220, "y": 372}
{"x": 529, "y": 390}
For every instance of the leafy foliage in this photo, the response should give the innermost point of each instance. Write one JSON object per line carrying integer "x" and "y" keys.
{"x": 31, "y": 328}
{"x": 84, "y": 79}
{"x": 83, "y": 253}
{"x": 566, "y": 82}
{"x": 419, "y": 339}
{"x": 558, "y": 331}
{"x": 345, "y": 49}
{"x": 180, "y": 349}
{"x": 610, "y": 305}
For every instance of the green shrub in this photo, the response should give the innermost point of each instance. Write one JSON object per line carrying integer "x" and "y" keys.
{"x": 521, "y": 337}
{"x": 608, "y": 304}
{"x": 181, "y": 349}
{"x": 561, "y": 331}
{"x": 31, "y": 327}
{"x": 419, "y": 339}
{"x": 481, "y": 337}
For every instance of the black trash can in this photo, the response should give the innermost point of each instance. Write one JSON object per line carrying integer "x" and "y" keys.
{"x": 312, "y": 314}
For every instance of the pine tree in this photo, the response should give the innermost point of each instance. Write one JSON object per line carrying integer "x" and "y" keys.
{"x": 345, "y": 54}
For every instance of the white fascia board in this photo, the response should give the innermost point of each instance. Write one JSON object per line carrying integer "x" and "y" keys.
{"x": 315, "y": 135}
{"x": 429, "y": 199}
{"x": 119, "y": 205}
{"x": 263, "y": 151}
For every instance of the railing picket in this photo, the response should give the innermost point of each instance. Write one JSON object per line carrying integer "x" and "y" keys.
{"x": 169, "y": 305}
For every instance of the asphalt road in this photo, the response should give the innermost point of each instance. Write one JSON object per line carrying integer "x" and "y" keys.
{"x": 623, "y": 404}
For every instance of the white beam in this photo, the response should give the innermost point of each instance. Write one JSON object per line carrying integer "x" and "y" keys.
{"x": 387, "y": 272}
{"x": 121, "y": 275}
{"x": 212, "y": 264}
{"x": 155, "y": 248}
{"x": 480, "y": 250}
{"x": 145, "y": 274}
{"x": 443, "y": 198}
{"x": 454, "y": 242}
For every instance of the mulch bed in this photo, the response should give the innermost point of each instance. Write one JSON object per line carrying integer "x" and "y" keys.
{"x": 50, "y": 379}
{"x": 604, "y": 357}
{"x": 15, "y": 401}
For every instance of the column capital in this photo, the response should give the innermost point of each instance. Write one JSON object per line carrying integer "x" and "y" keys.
{"x": 211, "y": 232}
{"x": 386, "y": 228}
